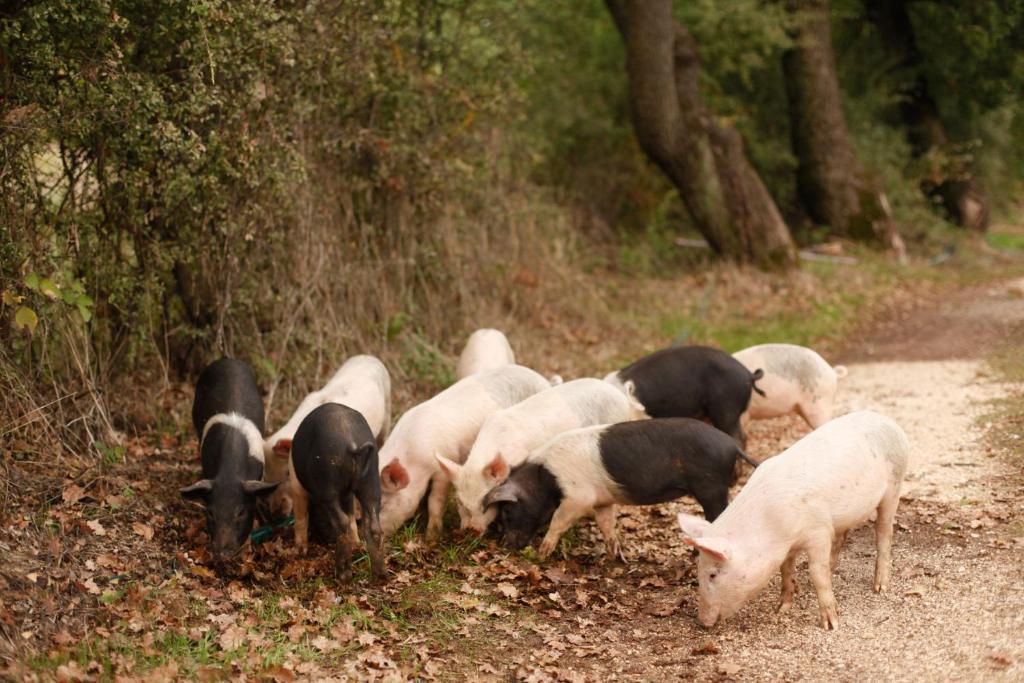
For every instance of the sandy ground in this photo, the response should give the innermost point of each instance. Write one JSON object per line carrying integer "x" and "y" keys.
{"x": 955, "y": 610}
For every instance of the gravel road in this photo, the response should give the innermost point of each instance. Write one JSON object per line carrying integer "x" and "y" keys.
{"x": 956, "y": 606}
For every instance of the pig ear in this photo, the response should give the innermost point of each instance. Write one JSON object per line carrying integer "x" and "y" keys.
{"x": 693, "y": 527}
{"x": 394, "y": 477}
{"x": 450, "y": 467}
{"x": 497, "y": 470}
{"x": 256, "y": 487}
{"x": 283, "y": 448}
{"x": 198, "y": 491}
{"x": 364, "y": 456}
{"x": 717, "y": 547}
{"x": 500, "y": 494}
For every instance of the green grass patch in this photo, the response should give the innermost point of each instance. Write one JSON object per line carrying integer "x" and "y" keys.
{"x": 1005, "y": 241}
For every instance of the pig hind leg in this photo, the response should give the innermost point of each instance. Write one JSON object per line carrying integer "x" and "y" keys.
{"x": 713, "y": 498}
{"x": 565, "y": 516}
{"x": 819, "y": 556}
{"x": 837, "y": 545}
{"x": 605, "y": 517}
{"x": 815, "y": 414}
{"x": 883, "y": 539}
{"x": 727, "y": 419}
{"x": 788, "y": 583}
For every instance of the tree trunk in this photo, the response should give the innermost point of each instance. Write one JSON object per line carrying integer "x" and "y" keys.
{"x": 705, "y": 161}
{"x": 832, "y": 185}
{"x": 961, "y": 195}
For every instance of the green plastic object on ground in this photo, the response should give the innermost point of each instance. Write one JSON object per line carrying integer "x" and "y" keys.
{"x": 264, "y": 532}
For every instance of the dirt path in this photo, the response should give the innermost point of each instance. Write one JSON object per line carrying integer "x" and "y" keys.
{"x": 956, "y": 606}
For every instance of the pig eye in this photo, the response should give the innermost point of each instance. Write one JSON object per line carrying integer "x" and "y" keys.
{"x": 712, "y": 575}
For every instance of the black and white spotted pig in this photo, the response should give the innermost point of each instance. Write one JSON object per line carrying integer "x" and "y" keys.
{"x": 227, "y": 414}
{"x": 333, "y": 463}
{"x": 691, "y": 381}
{"x": 590, "y": 470}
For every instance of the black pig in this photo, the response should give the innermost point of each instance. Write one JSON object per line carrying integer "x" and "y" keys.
{"x": 691, "y": 381}
{"x": 334, "y": 461}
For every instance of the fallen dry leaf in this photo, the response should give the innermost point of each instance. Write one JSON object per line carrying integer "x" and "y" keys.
{"x": 324, "y": 644}
{"x": 508, "y": 590}
{"x": 232, "y": 638}
{"x": 97, "y": 528}
{"x": 143, "y": 530}
{"x": 72, "y": 493}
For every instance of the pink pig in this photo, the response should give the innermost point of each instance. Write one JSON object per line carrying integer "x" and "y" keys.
{"x": 803, "y": 500}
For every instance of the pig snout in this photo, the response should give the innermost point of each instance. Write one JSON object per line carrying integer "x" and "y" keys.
{"x": 516, "y": 540}
{"x": 224, "y": 551}
{"x": 707, "y": 616}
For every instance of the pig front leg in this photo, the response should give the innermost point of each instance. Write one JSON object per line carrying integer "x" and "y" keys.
{"x": 605, "y": 517}
{"x": 788, "y": 583}
{"x": 369, "y": 529}
{"x": 886, "y": 515}
{"x": 343, "y": 543}
{"x": 354, "y": 526}
{"x": 439, "y": 485}
{"x": 819, "y": 561}
{"x": 565, "y": 516}
{"x": 300, "y": 508}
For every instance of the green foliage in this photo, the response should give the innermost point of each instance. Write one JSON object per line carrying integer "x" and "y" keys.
{"x": 177, "y": 173}
{"x": 291, "y": 182}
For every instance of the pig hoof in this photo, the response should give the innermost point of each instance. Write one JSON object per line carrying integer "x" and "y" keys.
{"x": 881, "y": 587}
{"x": 829, "y": 620}
{"x": 785, "y": 607}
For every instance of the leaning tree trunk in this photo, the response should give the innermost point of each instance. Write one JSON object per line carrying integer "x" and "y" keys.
{"x": 961, "y": 195}
{"x": 832, "y": 185}
{"x": 705, "y": 161}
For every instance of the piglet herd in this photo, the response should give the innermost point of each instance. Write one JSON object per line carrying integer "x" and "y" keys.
{"x": 528, "y": 456}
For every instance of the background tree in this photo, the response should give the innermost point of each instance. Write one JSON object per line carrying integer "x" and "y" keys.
{"x": 706, "y": 161}
{"x": 832, "y": 184}
{"x": 919, "y": 113}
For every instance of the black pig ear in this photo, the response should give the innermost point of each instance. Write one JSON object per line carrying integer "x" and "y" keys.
{"x": 255, "y": 487}
{"x": 500, "y": 494}
{"x": 364, "y": 454}
{"x": 198, "y": 491}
